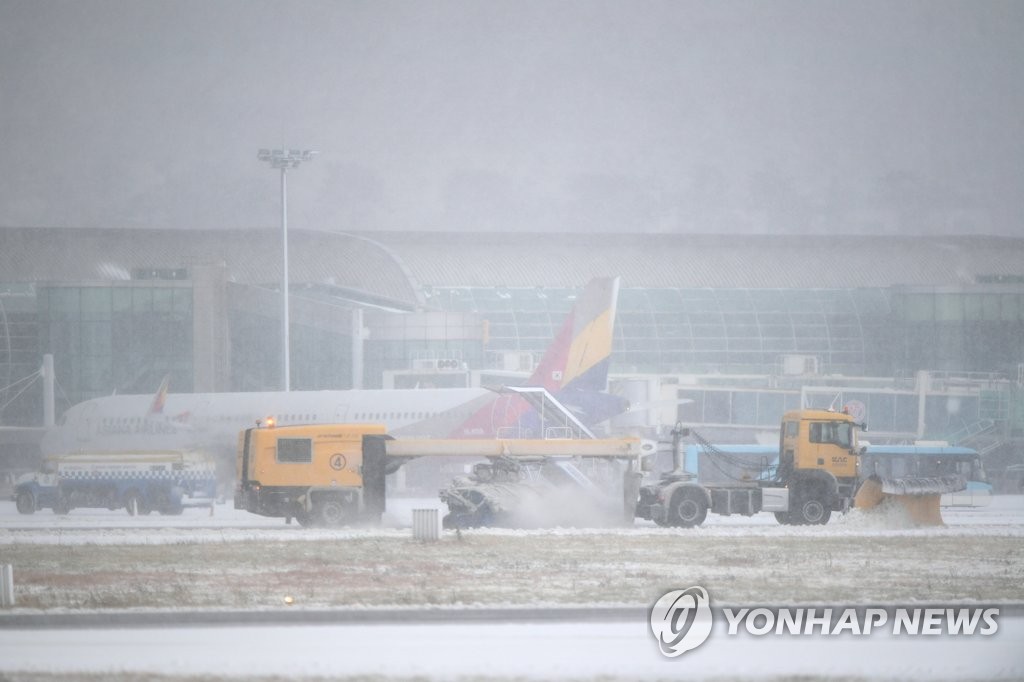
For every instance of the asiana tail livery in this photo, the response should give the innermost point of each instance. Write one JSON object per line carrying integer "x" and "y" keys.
{"x": 572, "y": 376}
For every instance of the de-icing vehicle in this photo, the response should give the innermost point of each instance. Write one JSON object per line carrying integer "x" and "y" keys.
{"x": 815, "y": 473}
{"x": 334, "y": 474}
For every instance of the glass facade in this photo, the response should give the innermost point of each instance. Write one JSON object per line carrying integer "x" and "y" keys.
{"x": 126, "y": 336}
{"x": 518, "y": 319}
{"x": 121, "y": 338}
{"x": 737, "y": 331}
{"x": 397, "y": 341}
{"x": 320, "y": 358}
{"x": 19, "y": 355}
{"x": 959, "y": 330}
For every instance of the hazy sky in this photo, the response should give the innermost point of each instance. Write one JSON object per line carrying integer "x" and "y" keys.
{"x": 799, "y": 116}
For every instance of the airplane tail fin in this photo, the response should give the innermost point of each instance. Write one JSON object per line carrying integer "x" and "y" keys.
{"x": 580, "y": 355}
{"x": 157, "y": 406}
{"x": 574, "y": 369}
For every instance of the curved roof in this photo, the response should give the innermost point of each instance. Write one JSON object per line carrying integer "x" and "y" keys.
{"x": 699, "y": 261}
{"x": 394, "y": 265}
{"x": 250, "y": 256}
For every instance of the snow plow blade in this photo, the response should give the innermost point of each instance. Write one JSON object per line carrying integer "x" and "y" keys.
{"x": 919, "y": 497}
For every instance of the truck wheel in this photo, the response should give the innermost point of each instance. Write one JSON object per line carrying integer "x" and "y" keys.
{"x": 330, "y": 512}
{"x": 135, "y": 502}
{"x": 61, "y": 507}
{"x": 687, "y": 509}
{"x": 783, "y": 518}
{"x": 168, "y": 505}
{"x": 811, "y": 510}
{"x": 26, "y": 502}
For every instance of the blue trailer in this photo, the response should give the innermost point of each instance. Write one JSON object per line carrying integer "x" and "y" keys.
{"x": 887, "y": 461}
{"x": 140, "y": 482}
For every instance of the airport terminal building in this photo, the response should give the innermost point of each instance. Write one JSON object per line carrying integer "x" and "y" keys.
{"x": 926, "y": 334}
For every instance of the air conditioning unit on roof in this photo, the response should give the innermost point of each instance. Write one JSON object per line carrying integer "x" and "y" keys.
{"x": 515, "y": 361}
{"x": 799, "y": 365}
{"x": 436, "y": 364}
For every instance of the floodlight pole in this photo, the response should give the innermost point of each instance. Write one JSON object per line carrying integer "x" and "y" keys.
{"x": 284, "y": 159}
{"x": 286, "y": 353}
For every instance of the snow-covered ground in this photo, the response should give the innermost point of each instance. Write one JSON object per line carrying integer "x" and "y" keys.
{"x": 976, "y": 557}
{"x": 606, "y": 651}
{"x": 1005, "y": 510}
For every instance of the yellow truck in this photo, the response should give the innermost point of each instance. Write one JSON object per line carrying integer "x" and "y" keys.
{"x": 814, "y": 472}
{"x": 334, "y": 474}
{"x": 313, "y": 474}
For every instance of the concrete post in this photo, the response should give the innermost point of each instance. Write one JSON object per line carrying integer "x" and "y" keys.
{"x": 6, "y": 585}
{"x": 426, "y": 525}
{"x": 49, "y": 408}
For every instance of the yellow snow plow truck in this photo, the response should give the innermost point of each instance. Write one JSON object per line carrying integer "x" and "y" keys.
{"x": 814, "y": 472}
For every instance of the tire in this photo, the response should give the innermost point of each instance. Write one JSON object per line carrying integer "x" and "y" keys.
{"x": 330, "y": 512}
{"x": 687, "y": 509}
{"x": 811, "y": 510}
{"x": 26, "y": 502}
{"x": 61, "y": 507}
{"x": 783, "y": 518}
{"x": 140, "y": 503}
{"x": 167, "y": 505}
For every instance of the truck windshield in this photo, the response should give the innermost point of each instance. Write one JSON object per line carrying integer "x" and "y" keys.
{"x": 834, "y": 433}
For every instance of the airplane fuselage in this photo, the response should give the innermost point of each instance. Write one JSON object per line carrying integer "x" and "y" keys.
{"x": 212, "y": 421}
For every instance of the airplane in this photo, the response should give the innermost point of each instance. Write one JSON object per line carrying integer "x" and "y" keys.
{"x": 569, "y": 385}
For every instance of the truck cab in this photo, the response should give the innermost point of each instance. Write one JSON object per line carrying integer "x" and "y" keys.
{"x": 819, "y": 439}
{"x": 311, "y": 473}
{"x": 818, "y": 455}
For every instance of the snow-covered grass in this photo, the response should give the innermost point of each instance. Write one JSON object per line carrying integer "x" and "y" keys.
{"x": 856, "y": 559}
{"x": 375, "y": 568}
{"x": 105, "y": 562}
